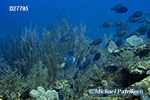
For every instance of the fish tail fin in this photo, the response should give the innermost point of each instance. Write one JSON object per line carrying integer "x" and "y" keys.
{"x": 64, "y": 69}
{"x": 90, "y": 45}
{"x": 92, "y": 62}
{"x": 67, "y": 55}
{"x": 73, "y": 78}
{"x": 127, "y": 36}
{"x": 59, "y": 92}
{"x": 76, "y": 67}
{"x": 130, "y": 17}
{"x": 127, "y": 20}
{"x": 80, "y": 68}
{"x": 58, "y": 41}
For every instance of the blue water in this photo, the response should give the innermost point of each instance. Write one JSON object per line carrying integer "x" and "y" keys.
{"x": 91, "y": 12}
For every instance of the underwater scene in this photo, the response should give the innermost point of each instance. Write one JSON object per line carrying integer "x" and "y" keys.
{"x": 75, "y": 50}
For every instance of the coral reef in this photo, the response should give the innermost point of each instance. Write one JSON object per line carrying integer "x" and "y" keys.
{"x": 12, "y": 83}
{"x": 133, "y": 41}
{"x": 144, "y": 84}
{"x": 112, "y": 46}
{"x": 32, "y": 61}
{"x": 41, "y": 94}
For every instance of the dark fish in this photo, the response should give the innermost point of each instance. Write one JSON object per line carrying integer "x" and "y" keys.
{"x": 85, "y": 64}
{"x": 119, "y": 42}
{"x": 117, "y": 7}
{"x": 148, "y": 33}
{"x": 120, "y": 33}
{"x": 148, "y": 14}
{"x": 64, "y": 39}
{"x": 70, "y": 53}
{"x": 132, "y": 20}
{"x": 96, "y": 42}
{"x": 142, "y": 19}
{"x": 122, "y": 10}
{"x": 147, "y": 23}
{"x": 143, "y": 30}
{"x": 134, "y": 33}
{"x": 118, "y": 23}
{"x": 106, "y": 24}
{"x": 80, "y": 62}
{"x": 137, "y": 14}
{"x": 69, "y": 62}
{"x": 96, "y": 57}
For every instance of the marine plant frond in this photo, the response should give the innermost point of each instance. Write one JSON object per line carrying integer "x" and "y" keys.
{"x": 106, "y": 38}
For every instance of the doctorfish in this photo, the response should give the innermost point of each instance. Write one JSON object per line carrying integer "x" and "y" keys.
{"x": 137, "y": 14}
{"x": 96, "y": 57}
{"x": 122, "y": 10}
{"x": 70, "y": 53}
{"x": 106, "y": 24}
{"x": 85, "y": 64}
{"x": 64, "y": 39}
{"x": 96, "y": 42}
{"x": 117, "y": 7}
{"x": 69, "y": 62}
{"x": 118, "y": 23}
